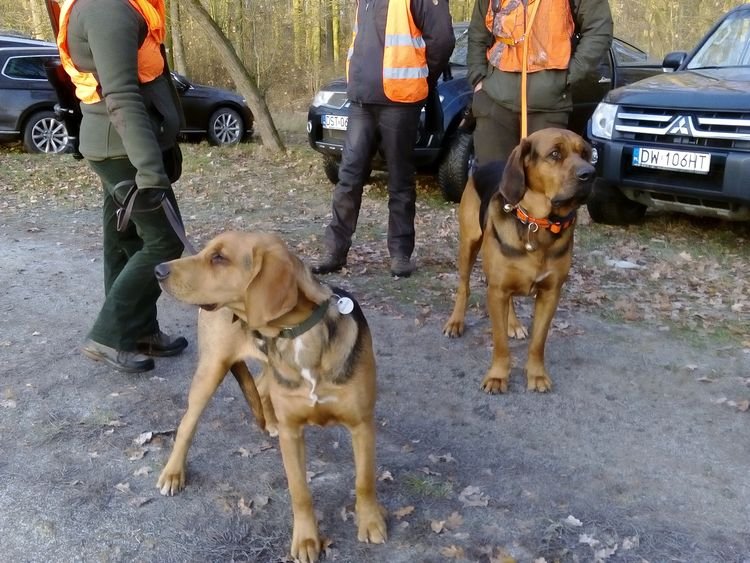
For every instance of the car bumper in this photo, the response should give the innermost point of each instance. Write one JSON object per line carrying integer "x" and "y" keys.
{"x": 723, "y": 191}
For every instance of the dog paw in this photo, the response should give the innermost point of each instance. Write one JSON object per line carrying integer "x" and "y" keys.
{"x": 517, "y": 330}
{"x": 170, "y": 481}
{"x": 538, "y": 382}
{"x": 305, "y": 550}
{"x": 272, "y": 429}
{"x": 453, "y": 328}
{"x": 494, "y": 385}
{"x": 371, "y": 526}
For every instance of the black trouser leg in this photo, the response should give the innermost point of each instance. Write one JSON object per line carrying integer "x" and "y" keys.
{"x": 398, "y": 130}
{"x": 129, "y": 309}
{"x": 359, "y": 146}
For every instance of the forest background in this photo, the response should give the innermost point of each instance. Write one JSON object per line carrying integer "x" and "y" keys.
{"x": 290, "y": 47}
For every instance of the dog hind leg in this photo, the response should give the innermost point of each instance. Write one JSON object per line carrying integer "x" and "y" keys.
{"x": 247, "y": 384}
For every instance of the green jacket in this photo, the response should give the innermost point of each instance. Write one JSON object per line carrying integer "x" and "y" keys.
{"x": 133, "y": 120}
{"x": 548, "y": 90}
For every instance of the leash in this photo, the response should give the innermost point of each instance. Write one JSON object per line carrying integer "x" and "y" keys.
{"x": 524, "y": 66}
{"x": 125, "y": 210}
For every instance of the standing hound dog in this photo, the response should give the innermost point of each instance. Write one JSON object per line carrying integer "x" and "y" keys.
{"x": 320, "y": 365}
{"x": 522, "y": 217}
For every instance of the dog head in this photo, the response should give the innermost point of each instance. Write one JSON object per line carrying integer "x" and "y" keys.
{"x": 253, "y": 274}
{"x": 550, "y": 170}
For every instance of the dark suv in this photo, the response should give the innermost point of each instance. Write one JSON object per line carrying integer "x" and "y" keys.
{"x": 450, "y": 151}
{"x": 27, "y": 102}
{"x": 680, "y": 141}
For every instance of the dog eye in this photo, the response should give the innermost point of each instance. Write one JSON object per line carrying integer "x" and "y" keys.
{"x": 555, "y": 155}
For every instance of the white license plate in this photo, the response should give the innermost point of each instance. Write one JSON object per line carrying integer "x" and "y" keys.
{"x": 338, "y": 122}
{"x": 683, "y": 161}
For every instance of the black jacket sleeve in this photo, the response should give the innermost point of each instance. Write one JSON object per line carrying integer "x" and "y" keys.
{"x": 594, "y": 25}
{"x": 433, "y": 18}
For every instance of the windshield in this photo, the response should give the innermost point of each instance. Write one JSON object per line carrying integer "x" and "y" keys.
{"x": 462, "y": 43}
{"x": 728, "y": 45}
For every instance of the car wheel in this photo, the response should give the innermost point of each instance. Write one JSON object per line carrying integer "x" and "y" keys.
{"x": 453, "y": 171}
{"x": 225, "y": 127}
{"x": 331, "y": 169}
{"x": 44, "y": 133}
{"x": 608, "y": 205}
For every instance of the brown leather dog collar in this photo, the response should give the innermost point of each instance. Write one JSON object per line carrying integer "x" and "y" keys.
{"x": 315, "y": 317}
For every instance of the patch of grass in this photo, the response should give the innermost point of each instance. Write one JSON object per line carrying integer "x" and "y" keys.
{"x": 427, "y": 486}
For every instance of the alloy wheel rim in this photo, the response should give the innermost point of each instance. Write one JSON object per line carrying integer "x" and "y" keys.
{"x": 227, "y": 128}
{"x": 49, "y": 136}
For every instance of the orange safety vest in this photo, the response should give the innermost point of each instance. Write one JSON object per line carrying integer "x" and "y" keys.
{"x": 549, "y": 39}
{"x": 404, "y": 55}
{"x": 150, "y": 60}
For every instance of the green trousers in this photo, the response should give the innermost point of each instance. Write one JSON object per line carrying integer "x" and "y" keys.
{"x": 130, "y": 287}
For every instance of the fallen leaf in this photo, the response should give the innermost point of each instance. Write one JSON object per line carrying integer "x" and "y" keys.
{"x": 472, "y": 496}
{"x": 143, "y": 438}
{"x": 8, "y": 404}
{"x": 453, "y": 552}
{"x": 428, "y": 471}
{"x": 572, "y": 521}
{"x": 139, "y": 501}
{"x": 245, "y": 509}
{"x": 326, "y": 546}
{"x": 630, "y": 543}
{"x": 310, "y": 475}
{"x": 446, "y": 458}
{"x": 454, "y": 521}
{"x": 242, "y": 451}
{"x": 145, "y": 470}
{"x": 259, "y": 501}
{"x": 134, "y": 454}
{"x": 604, "y": 553}
{"x": 385, "y": 476}
{"x": 123, "y": 487}
{"x": 588, "y": 540}
{"x": 743, "y": 406}
{"x": 401, "y": 512}
{"x": 346, "y": 514}
{"x": 437, "y": 526}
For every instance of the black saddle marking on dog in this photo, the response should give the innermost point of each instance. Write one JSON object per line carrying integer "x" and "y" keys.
{"x": 487, "y": 182}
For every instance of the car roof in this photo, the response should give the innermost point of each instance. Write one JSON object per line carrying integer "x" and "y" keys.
{"x": 10, "y": 39}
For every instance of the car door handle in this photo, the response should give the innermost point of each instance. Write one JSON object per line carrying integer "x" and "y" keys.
{"x": 605, "y": 80}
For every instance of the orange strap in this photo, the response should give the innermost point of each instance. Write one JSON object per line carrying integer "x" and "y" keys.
{"x": 534, "y": 5}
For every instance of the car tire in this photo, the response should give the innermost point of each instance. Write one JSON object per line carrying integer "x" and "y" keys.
{"x": 453, "y": 171}
{"x": 331, "y": 169}
{"x": 225, "y": 127}
{"x": 44, "y": 133}
{"x": 608, "y": 205}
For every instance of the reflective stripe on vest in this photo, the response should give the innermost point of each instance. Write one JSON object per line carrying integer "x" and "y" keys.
{"x": 549, "y": 40}
{"x": 150, "y": 60}
{"x": 404, "y": 55}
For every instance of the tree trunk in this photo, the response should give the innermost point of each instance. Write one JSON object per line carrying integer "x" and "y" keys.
{"x": 178, "y": 49}
{"x": 38, "y": 30}
{"x": 241, "y": 77}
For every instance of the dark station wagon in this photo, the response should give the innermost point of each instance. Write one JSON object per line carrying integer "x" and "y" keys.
{"x": 27, "y": 102}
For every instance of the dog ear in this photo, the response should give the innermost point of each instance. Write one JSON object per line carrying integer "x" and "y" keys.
{"x": 513, "y": 183}
{"x": 272, "y": 290}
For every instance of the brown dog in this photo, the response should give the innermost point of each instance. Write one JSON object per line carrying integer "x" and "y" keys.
{"x": 320, "y": 363}
{"x": 522, "y": 217}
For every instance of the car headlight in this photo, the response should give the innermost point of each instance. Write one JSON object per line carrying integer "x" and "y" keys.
{"x": 322, "y": 97}
{"x": 603, "y": 120}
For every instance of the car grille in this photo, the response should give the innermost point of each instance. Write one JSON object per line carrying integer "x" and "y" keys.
{"x": 685, "y": 129}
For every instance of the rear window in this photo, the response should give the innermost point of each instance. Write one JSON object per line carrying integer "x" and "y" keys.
{"x": 27, "y": 67}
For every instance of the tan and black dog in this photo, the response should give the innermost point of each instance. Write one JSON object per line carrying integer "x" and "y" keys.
{"x": 522, "y": 217}
{"x": 320, "y": 365}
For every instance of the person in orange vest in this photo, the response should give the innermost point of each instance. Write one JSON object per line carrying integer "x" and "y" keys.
{"x": 398, "y": 51}
{"x": 566, "y": 40}
{"x": 112, "y": 50}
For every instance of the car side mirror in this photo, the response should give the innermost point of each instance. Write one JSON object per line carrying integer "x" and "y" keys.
{"x": 673, "y": 61}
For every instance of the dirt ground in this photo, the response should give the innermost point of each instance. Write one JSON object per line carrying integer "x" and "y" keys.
{"x": 640, "y": 452}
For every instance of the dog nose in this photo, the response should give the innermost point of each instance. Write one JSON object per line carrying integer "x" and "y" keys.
{"x": 161, "y": 271}
{"x": 585, "y": 174}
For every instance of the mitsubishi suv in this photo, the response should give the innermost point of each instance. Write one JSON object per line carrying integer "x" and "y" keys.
{"x": 679, "y": 141}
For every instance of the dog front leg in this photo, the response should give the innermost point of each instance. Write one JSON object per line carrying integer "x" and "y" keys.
{"x": 305, "y": 540}
{"x": 206, "y": 380}
{"x": 537, "y": 378}
{"x": 496, "y": 379}
{"x": 370, "y": 515}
